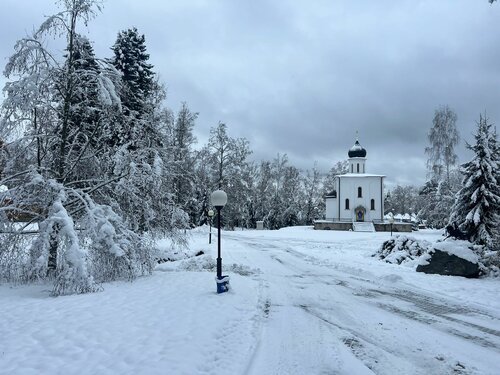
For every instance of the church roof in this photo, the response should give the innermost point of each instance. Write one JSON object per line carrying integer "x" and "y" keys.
{"x": 357, "y": 151}
{"x": 332, "y": 194}
{"x": 360, "y": 175}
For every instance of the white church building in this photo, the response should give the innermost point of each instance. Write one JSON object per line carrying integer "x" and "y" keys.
{"x": 358, "y": 196}
{"x": 357, "y": 200}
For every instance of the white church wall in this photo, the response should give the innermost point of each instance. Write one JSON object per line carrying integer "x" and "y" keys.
{"x": 375, "y": 190}
{"x": 371, "y": 189}
{"x": 331, "y": 209}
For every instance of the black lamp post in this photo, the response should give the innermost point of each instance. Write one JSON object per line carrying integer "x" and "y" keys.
{"x": 219, "y": 200}
{"x": 210, "y": 215}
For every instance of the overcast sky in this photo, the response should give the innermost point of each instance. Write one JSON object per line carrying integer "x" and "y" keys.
{"x": 300, "y": 77}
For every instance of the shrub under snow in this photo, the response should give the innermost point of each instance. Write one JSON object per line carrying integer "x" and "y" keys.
{"x": 402, "y": 249}
{"x": 77, "y": 250}
{"x": 489, "y": 263}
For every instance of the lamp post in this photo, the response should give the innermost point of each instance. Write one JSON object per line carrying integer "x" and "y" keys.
{"x": 391, "y": 220}
{"x": 219, "y": 200}
{"x": 210, "y": 215}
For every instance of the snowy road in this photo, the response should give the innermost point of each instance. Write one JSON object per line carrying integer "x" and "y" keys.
{"x": 321, "y": 311}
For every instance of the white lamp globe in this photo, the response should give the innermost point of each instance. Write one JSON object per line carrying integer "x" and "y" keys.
{"x": 218, "y": 198}
{"x": 210, "y": 213}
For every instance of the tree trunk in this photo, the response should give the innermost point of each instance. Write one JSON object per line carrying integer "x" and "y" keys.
{"x": 53, "y": 246}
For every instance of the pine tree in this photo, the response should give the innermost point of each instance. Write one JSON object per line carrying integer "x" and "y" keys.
{"x": 86, "y": 115}
{"x": 477, "y": 205}
{"x": 131, "y": 59}
{"x": 137, "y": 88}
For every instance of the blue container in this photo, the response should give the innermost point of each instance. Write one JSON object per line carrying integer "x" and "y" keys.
{"x": 222, "y": 284}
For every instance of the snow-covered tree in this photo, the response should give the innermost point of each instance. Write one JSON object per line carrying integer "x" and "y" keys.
{"x": 313, "y": 196}
{"x": 202, "y": 187}
{"x": 477, "y": 207}
{"x": 87, "y": 194}
{"x": 229, "y": 158}
{"x": 340, "y": 167}
{"x": 131, "y": 59}
{"x": 286, "y": 195}
{"x": 291, "y": 197}
{"x": 263, "y": 192}
{"x": 145, "y": 159}
{"x": 401, "y": 200}
{"x": 181, "y": 147}
{"x": 443, "y": 138}
{"x": 137, "y": 88}
{"x": 435, "y": 200}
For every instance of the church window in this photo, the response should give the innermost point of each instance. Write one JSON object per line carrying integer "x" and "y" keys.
{"x": 347, "y": 204}
{"x": 357, "y": 167}
{"x": 352, "y": 168}
{"x": 363, "y": 168}
{"x": 360, "y": 192}
{"x": 372, "y": 204}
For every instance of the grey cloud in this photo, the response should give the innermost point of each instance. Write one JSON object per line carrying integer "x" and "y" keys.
{"x": 301, "y": 77}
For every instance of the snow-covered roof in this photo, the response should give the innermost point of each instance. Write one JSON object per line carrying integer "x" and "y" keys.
{"x": 332, "y": 194}
{"x": 360, "y": 175}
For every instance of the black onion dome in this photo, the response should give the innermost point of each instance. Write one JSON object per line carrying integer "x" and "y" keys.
{"x": 357, "y": 151}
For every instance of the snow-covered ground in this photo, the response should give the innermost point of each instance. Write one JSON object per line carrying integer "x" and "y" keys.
{"x": 302, "y": 302}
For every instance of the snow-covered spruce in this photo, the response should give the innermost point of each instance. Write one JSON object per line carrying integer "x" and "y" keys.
{"x": 476, "y": 211}
{"x": 402, "y": 249}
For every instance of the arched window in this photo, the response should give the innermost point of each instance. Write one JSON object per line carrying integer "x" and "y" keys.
{"x": 352, "y": 168}
{"x": 372, "y": 204}
{"x": 357, "y": 167}
{"x": 347, "y": 204}
{"x": 360, "y": 192}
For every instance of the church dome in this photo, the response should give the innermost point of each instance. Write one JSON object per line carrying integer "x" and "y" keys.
{"x": 357, "y": 151}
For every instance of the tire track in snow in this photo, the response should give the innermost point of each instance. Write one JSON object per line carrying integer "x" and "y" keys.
{"x": 376, "y": 353}
{"x": 440, "y": 309}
